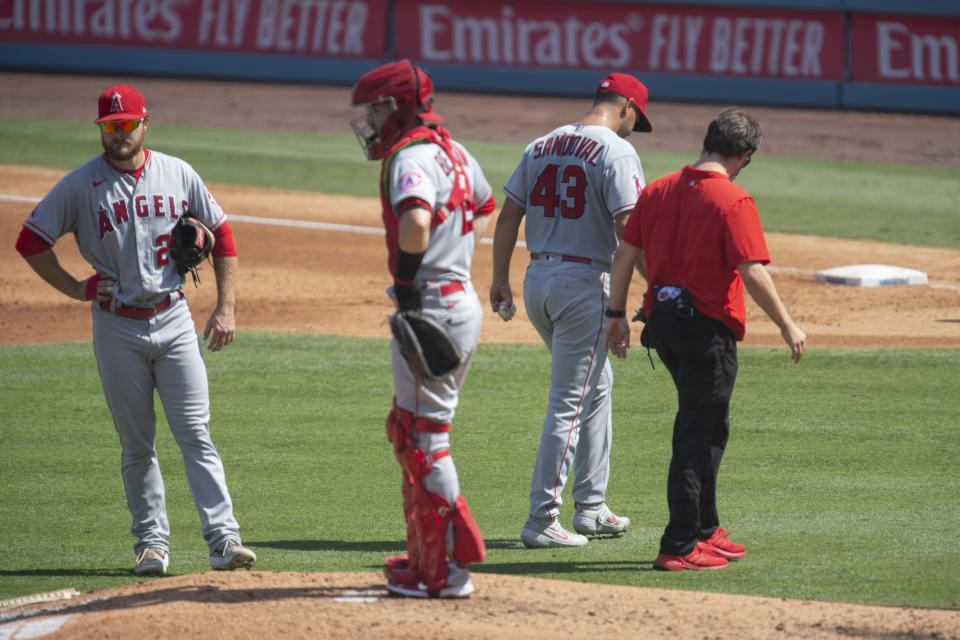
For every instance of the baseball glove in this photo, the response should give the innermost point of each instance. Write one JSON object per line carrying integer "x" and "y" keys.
{"x": 191, "y": 243}
{"x": 425, "y": 345}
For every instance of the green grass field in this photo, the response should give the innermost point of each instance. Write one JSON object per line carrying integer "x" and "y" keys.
{"x": 841, "y": 475}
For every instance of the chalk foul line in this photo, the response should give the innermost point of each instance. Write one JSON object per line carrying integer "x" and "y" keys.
{"x": 379, "y": 231}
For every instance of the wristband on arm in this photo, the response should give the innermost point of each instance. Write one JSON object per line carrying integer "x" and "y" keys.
{"x": 407, "y": 266}
{"x": 408, "y": 296}
{"x": 90, "y": 289}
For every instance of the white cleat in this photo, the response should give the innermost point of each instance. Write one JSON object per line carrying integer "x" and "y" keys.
{"x": 419, "y": 590}
{"x": 152, "y": 561}
{"x": 232, "y": 555}
{"x": 598, "y": 521}
{"x": 537, "y": 535}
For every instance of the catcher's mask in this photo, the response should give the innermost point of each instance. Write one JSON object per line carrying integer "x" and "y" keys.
{"x": 394, "y": 96}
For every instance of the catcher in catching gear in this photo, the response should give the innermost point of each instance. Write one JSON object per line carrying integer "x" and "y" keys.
{"x": 435, "y": 201}
{"x": 192, "y": 243}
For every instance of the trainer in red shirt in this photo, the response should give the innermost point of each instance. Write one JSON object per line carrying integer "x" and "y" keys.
{"x": 697, "y": 239}
{"x": 703, "y": 226}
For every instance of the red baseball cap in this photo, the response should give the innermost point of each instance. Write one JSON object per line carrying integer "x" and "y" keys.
{"x": 627, "y": 86}
{"x": 425, "y": 97}
{"x": 121, "y": 102}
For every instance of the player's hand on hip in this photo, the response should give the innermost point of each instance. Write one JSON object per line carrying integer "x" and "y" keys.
{"x": 618, "y": 336}
{"x": 220, "y": 329}
{"x": 98, "y": 287}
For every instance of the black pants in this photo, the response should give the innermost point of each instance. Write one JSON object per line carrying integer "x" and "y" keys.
{"x": 701, "y": 355}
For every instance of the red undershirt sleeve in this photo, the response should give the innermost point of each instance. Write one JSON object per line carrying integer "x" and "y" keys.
{"x": 226, "y": 246}
{"x": 488, "y": 206}
{"x": 411, "y": 203}
{"x": 29, "y": 243}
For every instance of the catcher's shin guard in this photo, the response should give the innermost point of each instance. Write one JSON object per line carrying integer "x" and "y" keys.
{"x": 413, "y": 544}
{"x": 428, "y": 515}
{"x": 424, "y": 536}
{"x": 468, "y": 545}
{"x": 400, "y": 433}
{"x": 433, "y": 517}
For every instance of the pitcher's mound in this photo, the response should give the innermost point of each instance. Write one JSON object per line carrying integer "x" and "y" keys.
{"x": 263, "y": 605}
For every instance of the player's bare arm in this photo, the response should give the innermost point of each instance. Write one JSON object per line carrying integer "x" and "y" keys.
{"x": 620, "y": 222}
{"x": 221, "y": 326}
{"x": 48, "y": 267}
{"x": 413, "y": 234}
{"x": 480, "y": 224}
{"x": 621, "y": 271}
{"x": 641, "y": 265}
{"x": 760, "y": 286}
{"x": 504, "y": 242}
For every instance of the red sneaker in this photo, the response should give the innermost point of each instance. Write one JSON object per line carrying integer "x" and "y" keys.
{"x": 721, "y": 545}
{"x": 699, "y": 558}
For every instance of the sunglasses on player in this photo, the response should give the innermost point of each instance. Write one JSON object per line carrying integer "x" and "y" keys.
{"x": 124, "y": 125}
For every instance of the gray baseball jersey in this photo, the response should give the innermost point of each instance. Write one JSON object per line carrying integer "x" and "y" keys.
{"x": 423, "y": 171}
{"x": 122, "y": 223}
{"x": 573, "y": 183}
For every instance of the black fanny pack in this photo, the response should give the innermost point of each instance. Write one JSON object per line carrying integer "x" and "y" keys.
{"x": 674, "y": 300}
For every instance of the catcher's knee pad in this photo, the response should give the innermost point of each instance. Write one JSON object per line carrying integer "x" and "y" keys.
{"x": 400, "y": 428}
{"x": 400, "y": 432}
{"x": 468, "y": 545}
{"x": 414, "y": 461}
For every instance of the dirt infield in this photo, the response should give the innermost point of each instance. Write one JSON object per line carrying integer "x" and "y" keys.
{"x": 259, "y": 605}
{"x": 302, "y": 289}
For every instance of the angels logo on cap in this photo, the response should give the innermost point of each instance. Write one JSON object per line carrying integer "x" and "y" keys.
{"x": 120, "y": 102}
{"x": 116, "y": 106}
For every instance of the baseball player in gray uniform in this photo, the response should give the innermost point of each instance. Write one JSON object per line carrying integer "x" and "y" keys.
{"x": 435, "y": 201}
{"x": 574, "y": 186}
{"x": 121, "y": 207}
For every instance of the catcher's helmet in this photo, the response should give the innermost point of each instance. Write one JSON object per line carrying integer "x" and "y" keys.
{"x": 395, "y": 96}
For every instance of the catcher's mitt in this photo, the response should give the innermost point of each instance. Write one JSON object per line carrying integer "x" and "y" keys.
{"x": 191, "y": 243}
{"x": 425, "y": 345}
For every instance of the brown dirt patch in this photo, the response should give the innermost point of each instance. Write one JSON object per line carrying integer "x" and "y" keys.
{"x": 356, "y": 605}
{"x": 334, "y": 282}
